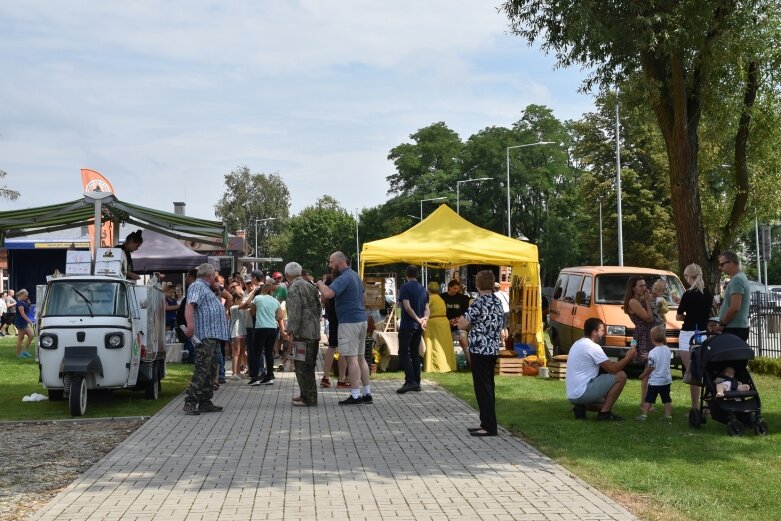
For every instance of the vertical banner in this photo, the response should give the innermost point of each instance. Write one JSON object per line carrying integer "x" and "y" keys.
{"x": 93, "y": 181}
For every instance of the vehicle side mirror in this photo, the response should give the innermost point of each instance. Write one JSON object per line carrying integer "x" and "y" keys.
{"x": 581, "y": 299}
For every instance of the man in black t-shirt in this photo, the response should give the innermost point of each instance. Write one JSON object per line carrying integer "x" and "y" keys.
{"x": 456, "y": 304}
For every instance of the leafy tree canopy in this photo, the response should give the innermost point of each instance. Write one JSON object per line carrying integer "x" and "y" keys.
{"x": 248, "y": 197}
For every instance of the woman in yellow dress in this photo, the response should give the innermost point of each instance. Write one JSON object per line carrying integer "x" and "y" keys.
{"x": 440, "y": 356}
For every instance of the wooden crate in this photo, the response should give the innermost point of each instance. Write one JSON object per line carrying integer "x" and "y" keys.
{"x": 557, "y": 369}
{"x": 509, "y": 366}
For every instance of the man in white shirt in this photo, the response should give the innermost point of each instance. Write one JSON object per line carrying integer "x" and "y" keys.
{"x": 586, "y": 388}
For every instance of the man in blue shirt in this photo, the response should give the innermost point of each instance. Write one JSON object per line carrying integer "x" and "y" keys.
{"x": 413, "y": 300}
{"x": 348, "y": 294}
{"x": 207, "y": 328}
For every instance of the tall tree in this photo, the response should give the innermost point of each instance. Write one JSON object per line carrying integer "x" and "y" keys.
{"x": 648, "y": 231}
{"x": 689, "y": 53}
{"x": 429, "y": 166}
{"x": 249, "y": 197}
{"x": 317, "y": 232}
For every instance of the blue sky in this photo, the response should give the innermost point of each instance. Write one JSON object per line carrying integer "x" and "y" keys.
{"x": 165, "y": 98}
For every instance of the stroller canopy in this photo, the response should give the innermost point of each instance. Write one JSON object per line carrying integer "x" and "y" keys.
{"x": 724, "y": 348}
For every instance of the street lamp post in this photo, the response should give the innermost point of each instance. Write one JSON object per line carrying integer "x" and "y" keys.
{"x": 425, "y": 270}
{"x": 458, "y": 191}
{"x": 256, "y": 235}
{"x": 432, "y": 199}
{"x": 509, "y": 230}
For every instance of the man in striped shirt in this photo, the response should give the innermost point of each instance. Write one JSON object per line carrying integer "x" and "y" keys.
{"x": 207, "y": 327}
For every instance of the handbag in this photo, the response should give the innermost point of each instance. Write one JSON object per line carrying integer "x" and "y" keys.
{"x": 299, "y": 351}
{"x": 688, "y": 376}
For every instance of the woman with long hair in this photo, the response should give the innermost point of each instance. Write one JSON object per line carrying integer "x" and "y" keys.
{"x": 694, "y": 310}
{"x": 637, "y": 304}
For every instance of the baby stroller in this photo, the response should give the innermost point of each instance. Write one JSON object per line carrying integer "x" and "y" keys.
{"x": 735, "y": 409}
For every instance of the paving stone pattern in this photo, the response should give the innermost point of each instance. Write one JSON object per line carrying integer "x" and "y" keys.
{"x": 403, "y": 458}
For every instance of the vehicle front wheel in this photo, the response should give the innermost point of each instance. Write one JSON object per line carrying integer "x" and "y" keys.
{"x": 152, "y": 389}
{"x": 77, "y": 397}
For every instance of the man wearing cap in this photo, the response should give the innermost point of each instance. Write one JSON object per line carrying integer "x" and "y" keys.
{"x": 456, "y": 304}
{"x": 413, "y": 300}
{"x": 281, "y": 292}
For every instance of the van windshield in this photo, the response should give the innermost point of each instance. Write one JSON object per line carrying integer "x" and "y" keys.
{"x": 86, "y": 298}
{"x": 610, "y": 289}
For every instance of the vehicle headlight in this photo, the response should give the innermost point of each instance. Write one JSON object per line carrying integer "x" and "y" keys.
{"x": 616, "y": 330}
{"x": 115, "y": 340}
{"x": 48, "y": 341}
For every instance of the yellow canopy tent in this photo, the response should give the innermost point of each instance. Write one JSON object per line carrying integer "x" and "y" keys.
{"x": 444, "y": 239}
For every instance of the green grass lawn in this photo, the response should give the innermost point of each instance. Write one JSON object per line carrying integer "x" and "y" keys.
{"x": 19, "y": 378}
{"x": 662, "y": 471}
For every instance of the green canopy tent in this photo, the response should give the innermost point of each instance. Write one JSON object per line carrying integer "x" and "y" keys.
{"x": 82, "y": 212}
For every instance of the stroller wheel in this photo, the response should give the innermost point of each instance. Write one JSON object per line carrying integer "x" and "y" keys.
{"x": 695, "y": 418}
{"x": 735, "y": 428}
{"x": 760, "y": 427}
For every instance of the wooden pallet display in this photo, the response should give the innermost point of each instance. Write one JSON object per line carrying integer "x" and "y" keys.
{"x": 524, "y": 311}
{"x": 509, "y": 365}
{"x": 557, "y": 367}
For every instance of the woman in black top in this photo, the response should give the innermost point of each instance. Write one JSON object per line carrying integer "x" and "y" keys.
{"x": 131, "y": 244}
{"x": 694, "y": 309}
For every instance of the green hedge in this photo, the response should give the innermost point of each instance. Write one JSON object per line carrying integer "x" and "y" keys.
{"x": 765, "y": 365}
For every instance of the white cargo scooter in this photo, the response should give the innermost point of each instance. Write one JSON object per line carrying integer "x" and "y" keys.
{"x": 97, "y": 330}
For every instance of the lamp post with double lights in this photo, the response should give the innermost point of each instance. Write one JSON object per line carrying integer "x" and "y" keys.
{"x": 458, "y": 190}
{"x": 509, "y": 230}
{"x": 256, "y": 234}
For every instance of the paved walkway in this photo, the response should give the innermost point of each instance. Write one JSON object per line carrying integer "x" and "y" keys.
{"x": 402, "y": 458}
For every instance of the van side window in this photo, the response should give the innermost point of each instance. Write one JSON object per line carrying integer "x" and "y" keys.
{"x": 561, "y": 284}
{"x": 583, "y": 297}
{"x": 573, "y": 285}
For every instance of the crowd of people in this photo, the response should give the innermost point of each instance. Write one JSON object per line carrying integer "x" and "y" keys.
{"x": 594, "y": 383}
{"x": 251, "y": 315}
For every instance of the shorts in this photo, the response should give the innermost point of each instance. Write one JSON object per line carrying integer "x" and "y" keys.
{"x": 684, "y": 340}
{"x": 352, "y": 338}
{"x": 10, "y": 318}
{"x": 658, "y": 390}
{"x": 333, "y": 333}
{"x": 596, "y": 390}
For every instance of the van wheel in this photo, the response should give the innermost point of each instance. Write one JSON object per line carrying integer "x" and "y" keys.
{"x": 77, "y": 397}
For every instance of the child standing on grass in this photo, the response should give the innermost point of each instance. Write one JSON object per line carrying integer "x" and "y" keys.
{"x": 657, "y": 370}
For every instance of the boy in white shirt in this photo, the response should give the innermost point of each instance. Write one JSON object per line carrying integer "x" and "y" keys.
{"x": 657, "y": 370}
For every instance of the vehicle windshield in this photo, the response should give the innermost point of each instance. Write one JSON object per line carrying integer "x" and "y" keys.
{"x": 610, "y": 289}
{"x": 86, "y": 297}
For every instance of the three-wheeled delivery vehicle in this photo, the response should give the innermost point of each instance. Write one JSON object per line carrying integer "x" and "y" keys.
{"x": 100, "y": 331}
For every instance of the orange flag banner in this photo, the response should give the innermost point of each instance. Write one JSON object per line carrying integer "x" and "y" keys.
{"x": 93, "y": 181}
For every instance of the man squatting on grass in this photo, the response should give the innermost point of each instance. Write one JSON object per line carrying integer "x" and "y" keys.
{"x": 586, "y": 388}
{"x": 207, "y": 321}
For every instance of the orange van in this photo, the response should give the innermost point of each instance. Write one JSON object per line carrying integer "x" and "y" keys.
{"x": 598, "y": 291}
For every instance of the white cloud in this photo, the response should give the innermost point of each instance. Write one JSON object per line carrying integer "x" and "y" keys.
{"x": 164, "y": 97}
